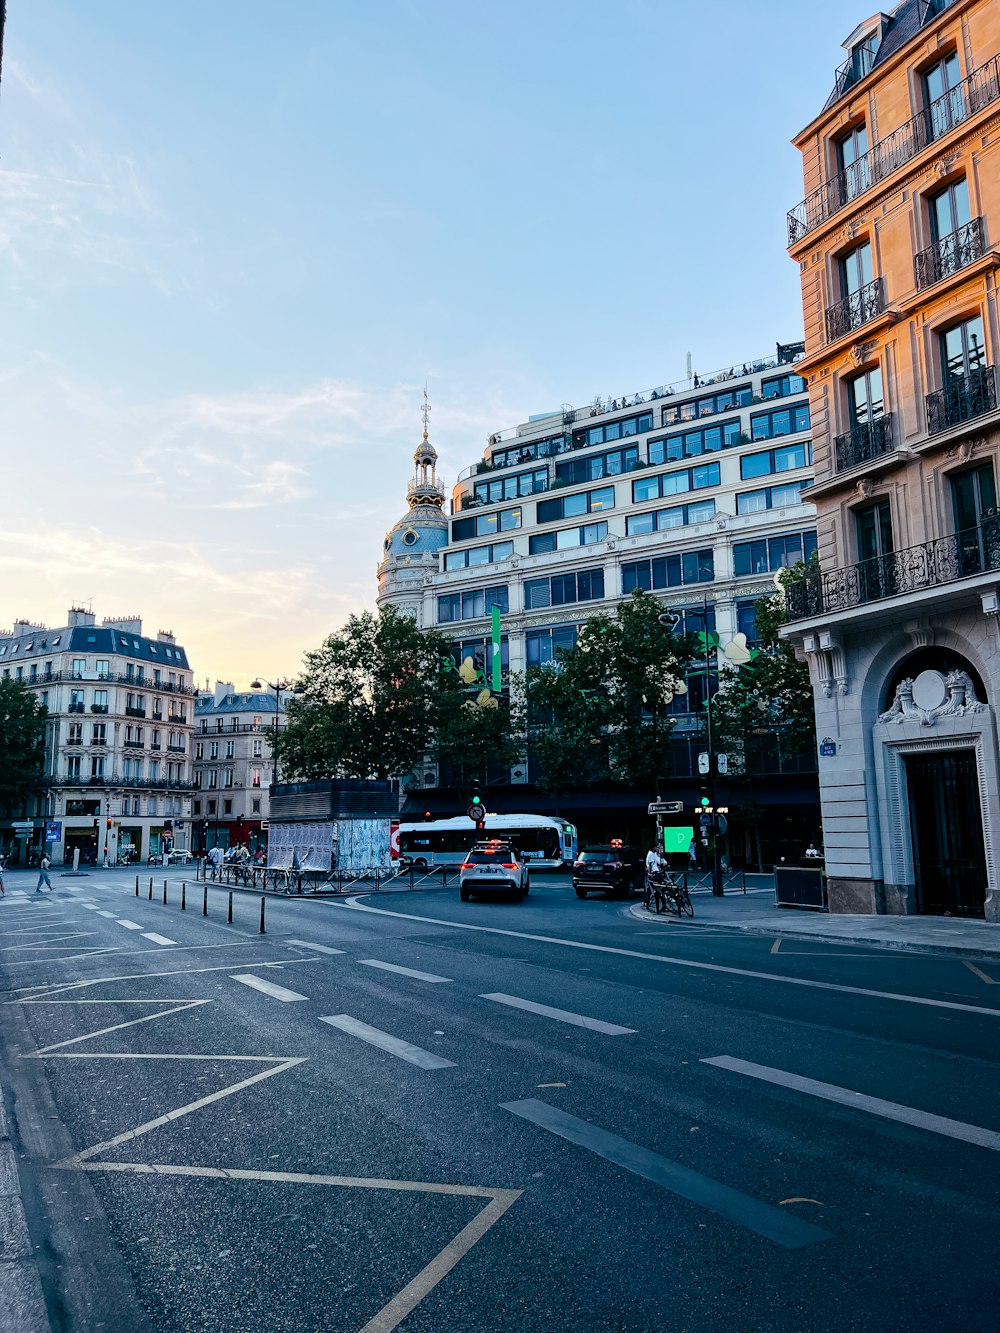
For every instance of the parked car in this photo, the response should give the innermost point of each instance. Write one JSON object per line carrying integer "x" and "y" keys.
{"x": 617, "y": 869}
{"x": 493, "y": 867}
{"x": 179, "y": 856}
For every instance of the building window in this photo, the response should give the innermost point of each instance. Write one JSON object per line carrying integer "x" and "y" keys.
{"x": 255, "y": 779}
{"x": 213, "y": 750}
{"x": 974, "y": 494}
{"x": 562, "y": 589}
{"x": 865, "y": 399}
{"x": 963, "y": 351}
{"x": 593, "y": 467}
{"x": 566, "y": 538}
{"x": 227, "y": 807}
{"x": 97, "y": 765}
{"x": 784, "y": 421}
{"x": 75, "y": 696}
{"x": 618, "y": 430}
{"x": 230, "y": 749}
{"x": 764, "y": 555}
{"x": 480, "y": 651}
{"x": 949, "y": 210}
{"x": 746, "y": 620}
{"x": 102, "y": 666}
{"x": 669, "y": 571}
{"x": 524, "y": 453}
{"x": 75, "y": 736}
{"x": 511, "y": 488}
{"x": 213, "y": 779}
{"x": 199, "y": 749}
{"x": 707, "y": 440}
{"x": 79, "y": 667}
{"x": 675, "y": 483}
{"x": 786, "y": 459}
{"x": 573, "y": 506}
{"x": 708, "y": 405}
{"x": 257, "y": 747}
{"x": 542, "y": 645}
{"x": 659, "y": 520}
{"x": 478, "y": 555}
{"x": 99, "y": 736}
{"x": 73, "y": 766}
{"x": 854, "y": 163}
{"x": 255, "y": 805}
{"x": 469, "y": 605}
{"x": 212, "y": 807}
{"x": 484, "y": 525}
{"x": 769, "y": 497}
{"x": 782, "y": 386}
{"x": 856, "y": 305}
{"x": 944, "y": 96}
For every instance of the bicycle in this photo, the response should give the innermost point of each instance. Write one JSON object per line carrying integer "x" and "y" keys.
{"x": 680, "y": 899}
{"x": 654, "y": 892}
{"x": 666, "y": 894}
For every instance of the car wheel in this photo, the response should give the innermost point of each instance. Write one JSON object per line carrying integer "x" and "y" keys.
{"x": 465, "y": 895}
{"x": 420, "y": 863}
{"x": 580, "y": 892}
{"x": 527, "y": 886}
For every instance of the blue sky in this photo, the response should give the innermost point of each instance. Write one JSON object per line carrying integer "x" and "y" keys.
{"x": 237, "y": 237}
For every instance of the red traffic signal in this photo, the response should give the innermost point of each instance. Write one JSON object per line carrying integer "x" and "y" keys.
{"x": 110, "y": 822}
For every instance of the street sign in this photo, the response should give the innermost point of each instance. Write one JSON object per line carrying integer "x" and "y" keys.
{"x": 23, "y": 825}
{"x": 665, "y": 808}
{"x": 703, "y": 763}
{"x": 827, "y": 747}
{"x": 477, "y": 813}
{"x": 723, "y": 762}
{"x": 53, "y": 830}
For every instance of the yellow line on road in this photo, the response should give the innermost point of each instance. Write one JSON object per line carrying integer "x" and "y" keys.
{"x": 980, "y": 974}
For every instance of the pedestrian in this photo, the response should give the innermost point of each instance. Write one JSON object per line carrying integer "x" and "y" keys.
{"x": 693, "y": 854}
{"x": 652, "y": 861}
{"x": 811, "y": 852}
{"x": 1, "y": 877}
{"x": 43, "y": 873}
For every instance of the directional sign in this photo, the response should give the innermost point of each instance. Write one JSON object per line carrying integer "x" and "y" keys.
{"x": 703, "y": 762}
{"x": 665, "y": 808}
{"x": 22, "y": 825}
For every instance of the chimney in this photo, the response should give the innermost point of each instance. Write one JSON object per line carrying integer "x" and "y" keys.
{"x": 126, "y": 624}
{"x": 222, "y": 688}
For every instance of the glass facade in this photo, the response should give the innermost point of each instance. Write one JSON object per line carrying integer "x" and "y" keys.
{"x": 764, "y": 555}
{"x": 572, "y": 506}
{"x": 484, "y": 525}
{"x": 469, "y": 605}
{"x": 786, "y": 459}
{"x": 675, "y": 483}
{"x": 659, "y": 520}
{"x": 668, "y": 571}
{"x": 561, "y": 589}
{"x": 780, "y": 421}
{"x": 566, "y": 538}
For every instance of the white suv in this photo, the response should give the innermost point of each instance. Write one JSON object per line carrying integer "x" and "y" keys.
{"x": 493, "y": 867}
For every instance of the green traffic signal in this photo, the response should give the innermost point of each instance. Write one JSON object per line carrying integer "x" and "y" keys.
{"x": 705, "y": 800}
{"x": 476, "y": 800}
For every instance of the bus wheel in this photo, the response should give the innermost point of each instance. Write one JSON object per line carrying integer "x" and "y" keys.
{"x": 420, "y": 863}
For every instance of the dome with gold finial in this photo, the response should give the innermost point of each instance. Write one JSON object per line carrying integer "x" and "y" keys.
{"x": 424, "y": 530}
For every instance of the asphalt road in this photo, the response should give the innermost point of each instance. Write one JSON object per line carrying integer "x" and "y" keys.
{"x": 410, "y": 1112}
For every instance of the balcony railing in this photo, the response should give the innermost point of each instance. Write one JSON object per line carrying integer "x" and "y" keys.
{"x": 962, "y": 399}
{"x": 852, "y": 71}
{"x": 855, "y": 310}
{"x": 133, "y": 745}
{"x": 956, "y": 106}
{"x": 176, "y": 749}
{"x": 135, "y": 712}
{"x": 950, "y": 254}
{"x": 899, "y": 574}
{"x": 864, "y": 442}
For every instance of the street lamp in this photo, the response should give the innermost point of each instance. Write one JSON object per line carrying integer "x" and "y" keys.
{"x": 277, "y": 686}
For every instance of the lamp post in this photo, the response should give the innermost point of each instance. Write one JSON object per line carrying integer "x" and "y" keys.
{"x": 277, "y": 686}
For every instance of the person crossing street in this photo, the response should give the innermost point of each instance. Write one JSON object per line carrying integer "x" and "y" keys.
{"x": 43, "y": 874}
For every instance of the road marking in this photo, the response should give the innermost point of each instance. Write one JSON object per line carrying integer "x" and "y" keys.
{"x": 403, "y": 1050}
{"x": 116, "y": 1027}
{"x": 157, "y": 939}
{"x": 320, "y": 948}
{"x": 267, "y": 987}
{"x": 743, "y": 1209}
{"x": 403, "y": 971}
{"x": 907, "y": 1115}
{"x": 55, "y": 987}
{"x": 353, "y": 905}
{"x": 129, "y": 925}
{"x": 90, "y": 907}
{"x": 982, "y": 975}
{"x": 561, "y": 1015}
{"x": 776, "y": 945}
{"x": 51, "y": 942}
{"x": 102, "y": 912}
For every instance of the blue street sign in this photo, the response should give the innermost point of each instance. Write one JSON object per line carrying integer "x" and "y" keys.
{"x": 53, "y": 831}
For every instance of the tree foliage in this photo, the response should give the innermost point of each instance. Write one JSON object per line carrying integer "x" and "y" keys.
{"x": 380, "y": 696}
{"x": 768, "y": 703}
{"x": 22, "y": 736}
{"x": 600, "y": 712}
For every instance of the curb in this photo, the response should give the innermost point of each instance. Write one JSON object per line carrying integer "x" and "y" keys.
{"x": 22, "y": 1305}
{"x": 865, "y": 941}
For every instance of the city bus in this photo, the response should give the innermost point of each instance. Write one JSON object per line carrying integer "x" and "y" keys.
{"x": 547, "y": 844}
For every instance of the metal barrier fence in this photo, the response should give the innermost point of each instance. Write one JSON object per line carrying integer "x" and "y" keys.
{"x": 702, "y": 879}
{"x": 317, "y": 882}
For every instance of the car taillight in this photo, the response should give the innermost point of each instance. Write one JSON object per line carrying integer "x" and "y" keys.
{"x": 466, "y": 865}
{"x": 509, "y": 865}
{"x": 577, "y": 865}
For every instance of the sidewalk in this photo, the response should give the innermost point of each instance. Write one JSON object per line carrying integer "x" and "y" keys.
{"x": 754, "y": 913}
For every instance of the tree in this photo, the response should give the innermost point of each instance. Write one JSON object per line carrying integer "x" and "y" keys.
{"x": 381, "y": 695}
{"x": 22, "y": 737}
{"x": 600, "y": 713}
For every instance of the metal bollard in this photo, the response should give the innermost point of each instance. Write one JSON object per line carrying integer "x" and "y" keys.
{"x": 204, "y": 905}
{"x": 229, "y": 918}
{"x": 261, "y": 931}
{"x": 150, "y": 888}
{"x": 164, "y": 893}
{"x": 137, "y": 886}
{"x": 184, "y": 889}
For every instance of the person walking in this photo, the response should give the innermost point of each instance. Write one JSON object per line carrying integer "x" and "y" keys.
{"x": 1, "y": 877}
{"x": 43, "y": 873}
{"x": 693, "y": 854}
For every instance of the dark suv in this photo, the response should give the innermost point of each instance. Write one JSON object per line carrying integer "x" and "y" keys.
{"x": 619, "y": 870}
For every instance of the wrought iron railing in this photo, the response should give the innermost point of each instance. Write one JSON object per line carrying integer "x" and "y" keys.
{"x": 898, "y": 574}
{"x": 852, "y": 71}
{"x": 951, "y": 253}
{"x": 956, "y": 106}
{"x": 855, "y": 309}
{"x": 864, "y": 442}
{"x": 961, "y": 399}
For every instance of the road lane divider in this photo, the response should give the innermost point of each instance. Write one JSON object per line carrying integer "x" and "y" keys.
{"x": 762, "y": 1218}
{"x": 905, "y": 1115}
{"x": 560, "y": 1015}
{"x": 102, "y": 912}
{"x": 267, "y": 987}
{"x": 318, "y": 948}
{"x": 403, "y": 1050}
{"x": 403, "y": 971}
{"x": 157, "y": 939}
{"x": 129, "y": 925}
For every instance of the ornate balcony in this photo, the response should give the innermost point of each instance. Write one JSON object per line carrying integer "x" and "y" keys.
{"x": 962, "y": 399}
{"x": 956, "y": 106}
{"x": 855, "y": 310}
{"x": 135, "y": 712}
{"x": 852, "y": 71}
{"x": 950, "y": 254}
{"x": 864, "y": 442}
{"x": 944, "y": 560}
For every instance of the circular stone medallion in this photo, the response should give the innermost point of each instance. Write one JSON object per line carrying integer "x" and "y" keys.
{"x": 929, "y": 690}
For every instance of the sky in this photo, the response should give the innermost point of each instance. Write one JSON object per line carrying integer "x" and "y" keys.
{"x": 237, "y": 238}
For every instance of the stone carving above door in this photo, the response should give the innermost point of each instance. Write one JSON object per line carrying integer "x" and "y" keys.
{"x": 933, "y": 696}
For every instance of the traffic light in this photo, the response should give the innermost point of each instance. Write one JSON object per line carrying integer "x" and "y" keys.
{"x": 475, "y": 798}
{"x": 705, "y": 799}
{"x": 109, "y": 822}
